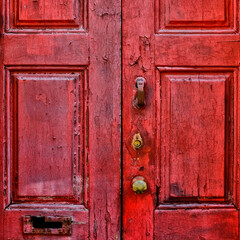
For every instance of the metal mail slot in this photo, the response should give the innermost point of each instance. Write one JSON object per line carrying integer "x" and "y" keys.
{"x": 47, "y": 225}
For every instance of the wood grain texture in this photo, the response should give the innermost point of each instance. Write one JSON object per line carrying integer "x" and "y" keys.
{"x": 46, "y": 15}
{"x": 184, "y": 107}
{"x": 44, "y": 53}
{"x": 196, "y": 134}
{"x": 138, "y": 60}
{"x": 187, "y": 51}
{"x": 2, "y": 125}
{"x": 192, "y": 122}
{"x": 43, "y": 103}
{"x": 197, "y": 50}
{"x": 42, "y": 10}
{"x": 104, "y": 118}
{"x": 201, "y": 11}
{"x": 13, "y": 217}
{"x": 177, "y": 16}
{"x": 196, "y": 224}
{"x": 46, "y": 49}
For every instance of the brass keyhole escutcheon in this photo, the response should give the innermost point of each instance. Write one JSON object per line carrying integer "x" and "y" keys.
{"x": 139, "y": 185}
{"x": 137, "y": 141}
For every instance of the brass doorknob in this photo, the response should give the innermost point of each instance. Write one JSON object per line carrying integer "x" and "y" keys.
{"x": 139, "y": 185}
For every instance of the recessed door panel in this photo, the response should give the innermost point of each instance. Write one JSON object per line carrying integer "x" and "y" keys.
{"x": 188, "y": 226}
{"x": 195, "y": 16}
{"x": 45, "y": 10}
{"x": 46, "y": 16}
{"x": 47, "y": 133}
{"x": 197, "y": 133}
{"x": 38, "y": 111}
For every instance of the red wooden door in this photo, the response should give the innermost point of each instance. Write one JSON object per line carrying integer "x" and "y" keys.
{"x": 60, "y": 134}
{"x": 60, "y": 128}
{"x": 188, "y": 53}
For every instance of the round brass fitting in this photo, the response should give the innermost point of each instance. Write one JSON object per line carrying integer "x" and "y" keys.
{"x": 137, "y": 141}
{"x": 139, "y": 184}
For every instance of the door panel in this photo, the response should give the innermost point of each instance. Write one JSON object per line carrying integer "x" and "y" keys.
{"x": 196, "y": 135}
{"x": 188, "y": 53}
{"x": 14, "y": 224}
{"x": 47, "y": 131}
{"x": 217, "y": 16}
{"x": 196, "y": 165}
{"x": 35, "y": 49}
{"x": 26, "y": 16}
{"x": 196, "y": 224}
{"x": 60, "y": 90}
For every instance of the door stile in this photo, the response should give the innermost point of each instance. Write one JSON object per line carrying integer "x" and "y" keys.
{"x": 105, "y": 118}
{"x": 138, "y": 61}
{"x": 2, "y": 118}
{"x": 236, "y": 168}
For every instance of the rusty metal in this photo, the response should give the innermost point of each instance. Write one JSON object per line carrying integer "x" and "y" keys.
{"x": 139, "y": 101}
{"x": 30, "y": 228}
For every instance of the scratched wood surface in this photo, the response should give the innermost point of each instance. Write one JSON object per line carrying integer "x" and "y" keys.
{"x": 194, "y": 130}
{"x": 138, "y": 47}
{"x": 2, "y": 139}
{"x": 42, "y": 16}
{"x": 188, "y": 52}
{"x": 60, "y": 128}
{"x": 104, "y": 118}
{"x": 197, "y": 115}
{"x": 197, "y": 224}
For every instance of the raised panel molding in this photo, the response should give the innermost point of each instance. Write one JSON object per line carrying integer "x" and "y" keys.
{"x": 177, "y": 16}
{"x": 43, "y": 15}
{"x": 195, "y": 136}
{"x": 47, "y": 163}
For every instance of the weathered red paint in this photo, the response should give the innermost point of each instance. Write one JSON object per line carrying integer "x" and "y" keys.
{"x": 60, "y": 128}
{"x": 138, "y": 61}
{"x": 188, "y": 52}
